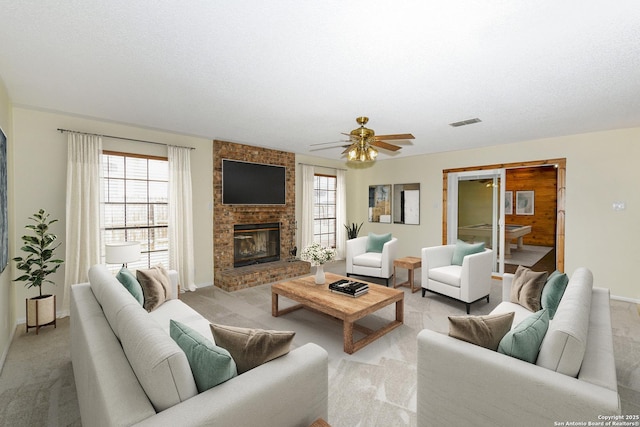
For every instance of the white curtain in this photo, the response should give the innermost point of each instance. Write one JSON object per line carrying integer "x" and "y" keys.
{"x": 181, "y": 216}
{"x": 83, "y": 212}
{"x": 341, "y": 213}
{"x": 308, "y": 201}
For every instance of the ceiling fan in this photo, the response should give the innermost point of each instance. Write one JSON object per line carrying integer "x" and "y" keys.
{"x": 363, "y": 142}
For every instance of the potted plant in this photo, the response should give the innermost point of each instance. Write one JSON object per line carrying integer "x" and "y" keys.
{"x": 37, "y": 265}
{"x": 353, "y": 230}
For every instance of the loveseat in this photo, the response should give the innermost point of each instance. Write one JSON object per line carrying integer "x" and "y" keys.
{"x": 129, "y": 371}
{"x": 460, "y": 383}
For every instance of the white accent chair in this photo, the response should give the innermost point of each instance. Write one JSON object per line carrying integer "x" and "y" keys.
{"x": 469, "y": 282}
{"x": 370, "y": 264}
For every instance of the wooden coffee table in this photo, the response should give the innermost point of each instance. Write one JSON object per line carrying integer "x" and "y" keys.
{"x": 346, "y": 308}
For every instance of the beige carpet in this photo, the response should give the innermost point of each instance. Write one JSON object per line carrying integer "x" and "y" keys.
{"x": 36, "y": 383}
{"x": 376, "y": 386}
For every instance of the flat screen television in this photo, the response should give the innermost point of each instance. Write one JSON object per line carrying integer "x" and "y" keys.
{"x": 246, "y": 183}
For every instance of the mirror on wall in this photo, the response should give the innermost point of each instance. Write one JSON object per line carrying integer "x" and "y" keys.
{"x": 380, "y": 203}
{"x": 406, "y": 203}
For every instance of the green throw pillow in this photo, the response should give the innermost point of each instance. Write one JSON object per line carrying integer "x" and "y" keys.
{"x": 210, "y": 364}
{"x": 463, "y": 249}
{"x": 130, "y": 282}
{"x": 523, "y": 341}
{"x": 553, "y": 291}
{"x": 376, "y": 242}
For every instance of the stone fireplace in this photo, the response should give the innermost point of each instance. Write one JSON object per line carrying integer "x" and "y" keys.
{"x": 256, "y": 243}
{"x": 255, "y": 268}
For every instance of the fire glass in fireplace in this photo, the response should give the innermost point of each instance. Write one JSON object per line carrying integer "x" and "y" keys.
{"x": 256, "y": 243}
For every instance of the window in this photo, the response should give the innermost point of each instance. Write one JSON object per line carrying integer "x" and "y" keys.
{"x": 324, "y": 212}
{"x": 136, "y": 193}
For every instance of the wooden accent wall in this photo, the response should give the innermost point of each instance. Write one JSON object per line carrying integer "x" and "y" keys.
{"x": 225, "y": 216}
{"x": 543, "y": 181}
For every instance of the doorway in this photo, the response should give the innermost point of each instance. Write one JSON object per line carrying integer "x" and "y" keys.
{"x": 475, "y": 213}
{"x": 557, "y": 215}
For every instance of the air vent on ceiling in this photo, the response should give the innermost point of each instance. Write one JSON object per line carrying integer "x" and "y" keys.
{"x": 465, "y": 122}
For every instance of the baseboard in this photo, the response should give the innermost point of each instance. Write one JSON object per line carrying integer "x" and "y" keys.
{"x": 6, "y": 350}
{"x": 625, "y": 299}
{"x": 198, "y": 286}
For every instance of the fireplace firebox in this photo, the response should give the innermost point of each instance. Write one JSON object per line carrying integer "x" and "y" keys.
{"x": 256, "y": 243}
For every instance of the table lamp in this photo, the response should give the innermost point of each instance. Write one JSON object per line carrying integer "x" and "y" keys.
{"x": 122, "y": 252}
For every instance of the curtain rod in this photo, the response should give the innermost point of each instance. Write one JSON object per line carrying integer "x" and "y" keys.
{"x": 320, "y": 166}
{"x": 122, "y": 138}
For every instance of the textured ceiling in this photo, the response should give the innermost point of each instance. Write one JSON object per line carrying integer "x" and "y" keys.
{"x": 286, "y": 74}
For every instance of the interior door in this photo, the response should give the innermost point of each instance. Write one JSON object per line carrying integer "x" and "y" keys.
{"x": 475, "y": 210}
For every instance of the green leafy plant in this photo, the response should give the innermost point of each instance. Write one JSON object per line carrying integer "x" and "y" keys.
{"x": 38, "y": 263}
{"x": 353, "y": 230}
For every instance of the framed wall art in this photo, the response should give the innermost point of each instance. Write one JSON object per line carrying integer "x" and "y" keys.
{"x": 4, "y": 223}
{"x": 380, "y": 203}
{"x": 406, "y": 203}
{"x": 508, "y": 202}
{"x": 524, "y": 202}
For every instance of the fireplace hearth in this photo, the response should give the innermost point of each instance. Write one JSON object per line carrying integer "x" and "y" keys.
{"x": 256, "y": 243}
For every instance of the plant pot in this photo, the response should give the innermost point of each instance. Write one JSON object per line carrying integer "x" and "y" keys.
{"x": 41, "y": 311}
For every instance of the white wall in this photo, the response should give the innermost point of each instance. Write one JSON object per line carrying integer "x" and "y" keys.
{"x": 39, "y": 179}
{"x": 601, "y": 168}
{"x": 7, "y": 288}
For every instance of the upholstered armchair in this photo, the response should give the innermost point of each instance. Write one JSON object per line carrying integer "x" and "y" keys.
{"x": 371, "y": 256}
{"x": 448, "y": 271}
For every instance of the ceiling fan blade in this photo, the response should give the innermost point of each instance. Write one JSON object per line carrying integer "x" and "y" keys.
{"x": 396, "y": 136}
{"x": 332, "y": 142}
{"x": 351, "y": 137}
{"x": 348, "y": 148}
{"x": 329, "y": 147}
{"x": 385, "y": 145}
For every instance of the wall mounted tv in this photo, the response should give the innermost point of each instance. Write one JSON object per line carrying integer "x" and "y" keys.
{"x": 246, "y": 183}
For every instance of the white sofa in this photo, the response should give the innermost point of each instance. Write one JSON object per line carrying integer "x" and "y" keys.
{"x": 463, "y": 384}
{"x": 359, "y": 262}
{"x": 128, "y": 371}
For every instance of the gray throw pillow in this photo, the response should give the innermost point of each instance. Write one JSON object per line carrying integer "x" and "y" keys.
{"x": 485, "y": 331}
{"x": 156, "y": 286}
{"x": 210, "y": 364}
{"x": 252, "y": 347}
{"x": 526, "y": 288}
{"x": 463, "y": 249}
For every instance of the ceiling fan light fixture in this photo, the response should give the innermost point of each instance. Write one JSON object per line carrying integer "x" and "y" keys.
{"x": 364, "y": 142}
{"x": 353, "y": 153}
{"x": 362, "y": 153}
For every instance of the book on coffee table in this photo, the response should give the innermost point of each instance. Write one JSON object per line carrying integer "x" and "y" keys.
{"x": 349, "y": 287}
{"x": 350, "y": 295}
